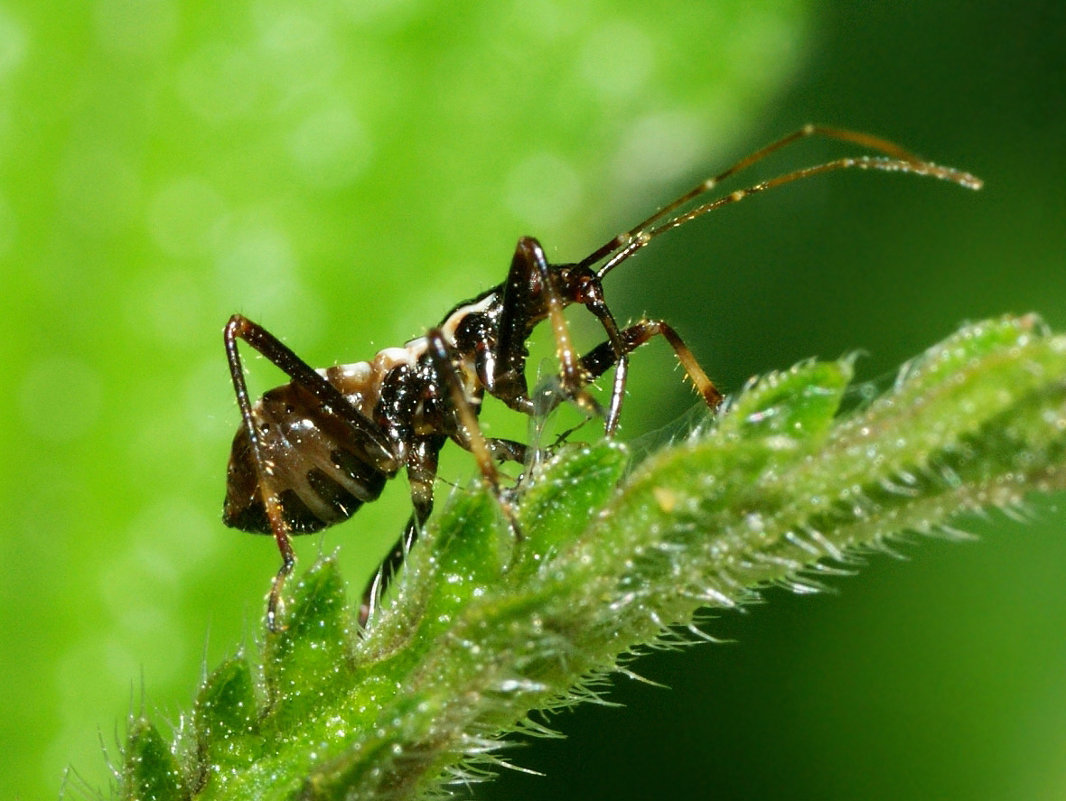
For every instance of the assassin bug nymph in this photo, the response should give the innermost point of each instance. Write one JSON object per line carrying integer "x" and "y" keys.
{"x": 309, "y": 453}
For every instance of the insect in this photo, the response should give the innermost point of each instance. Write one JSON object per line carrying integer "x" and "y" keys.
{"x": 309, "y": 453}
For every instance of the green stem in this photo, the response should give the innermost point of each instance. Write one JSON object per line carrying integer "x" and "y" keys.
{"x": 482, "y": 628}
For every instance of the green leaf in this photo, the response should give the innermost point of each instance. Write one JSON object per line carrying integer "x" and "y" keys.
{"x": 149, "y": 771}
{"x": 225, "y": 718}
{"x": 487, "y": 624}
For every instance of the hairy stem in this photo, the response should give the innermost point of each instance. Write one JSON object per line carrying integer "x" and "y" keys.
{"x": 482, "y": 628}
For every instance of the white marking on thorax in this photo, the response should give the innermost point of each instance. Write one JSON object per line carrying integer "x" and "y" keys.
{"x": 360, "y": 382}
{"x": 455, "y": 319}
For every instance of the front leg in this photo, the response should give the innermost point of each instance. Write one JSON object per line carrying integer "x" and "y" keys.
{"x": 530, "y": 295}
{"x": 600, "y": 359}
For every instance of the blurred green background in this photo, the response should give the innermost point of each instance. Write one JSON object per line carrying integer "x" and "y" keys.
{"x": 348, "y": 170}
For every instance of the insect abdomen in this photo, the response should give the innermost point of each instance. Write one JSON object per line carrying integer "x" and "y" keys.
{"x": 313, "y": 466}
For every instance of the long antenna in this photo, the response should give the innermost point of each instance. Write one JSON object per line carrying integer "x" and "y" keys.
{"x": 893, "y": 159}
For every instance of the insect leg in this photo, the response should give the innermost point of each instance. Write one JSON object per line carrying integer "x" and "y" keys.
{"x": 372, "y": 437}
{"x": 469, "y": 433}
{"x": 529, "y": 289}
{"x": 507, "y": 450}
{"x": 590, "y": 295}
{"x": 572, "y": 373}
{"x": 421, "y": 473}
{"x": 601, "y": 358}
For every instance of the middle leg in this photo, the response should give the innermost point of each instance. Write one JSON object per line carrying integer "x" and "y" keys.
{"x": 421, "y": 473}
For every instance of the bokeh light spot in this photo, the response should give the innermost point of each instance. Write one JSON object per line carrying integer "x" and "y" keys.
{"x": 543, "y": 190}
{"x": 257, "y": 267}
{"x": 659, "y": 147}
{"x": 60, "y": 399}
{"x": 183, "y": 215}
{"x": 330, "y": 147}
{"x": 219, "y": 82}
{"x": 618, "y": 61}
{"x": 98, "y": 189}
{"x": 169, "y": 306}
{"x": 13, "y": 44}
{"x": 258, "y": 258}
{"x": 136, "y": 27}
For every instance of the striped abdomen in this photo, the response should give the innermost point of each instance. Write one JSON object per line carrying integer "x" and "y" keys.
{"x": 318, "y": 465}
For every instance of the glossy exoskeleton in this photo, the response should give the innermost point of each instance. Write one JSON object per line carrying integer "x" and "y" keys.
{"x": 309, "y": 453}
